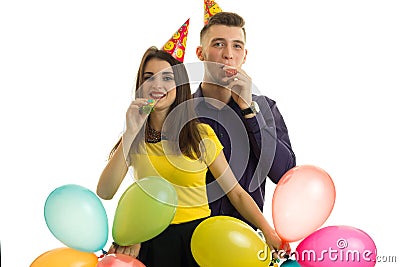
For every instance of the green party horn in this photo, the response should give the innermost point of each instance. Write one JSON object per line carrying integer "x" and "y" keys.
{"x": 148, "y": 108}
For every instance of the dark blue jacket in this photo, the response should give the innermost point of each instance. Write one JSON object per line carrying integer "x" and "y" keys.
{"x": 256, "y": 148}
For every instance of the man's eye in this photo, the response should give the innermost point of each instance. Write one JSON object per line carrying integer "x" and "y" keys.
{"x": 218, "y": 44}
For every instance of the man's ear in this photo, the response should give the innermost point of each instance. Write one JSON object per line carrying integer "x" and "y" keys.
{"x": 245, "y": 57}
{"x": 199, "y": 53}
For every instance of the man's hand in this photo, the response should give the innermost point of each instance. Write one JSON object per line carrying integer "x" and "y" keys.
{"x": 240, "y": 84}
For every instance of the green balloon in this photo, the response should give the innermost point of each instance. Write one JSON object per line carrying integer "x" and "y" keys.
{"x": 144, "y": 210}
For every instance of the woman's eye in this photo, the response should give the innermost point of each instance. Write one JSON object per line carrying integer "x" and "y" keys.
{"x": 168, "y": 78}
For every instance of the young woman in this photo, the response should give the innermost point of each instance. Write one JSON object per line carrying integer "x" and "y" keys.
{"x": 169, "y": 142}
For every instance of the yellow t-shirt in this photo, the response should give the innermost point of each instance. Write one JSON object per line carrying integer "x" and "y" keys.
{"x": 188, "y": 176}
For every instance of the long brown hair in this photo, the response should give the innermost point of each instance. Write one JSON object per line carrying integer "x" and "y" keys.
{"x": 184, "y": 128}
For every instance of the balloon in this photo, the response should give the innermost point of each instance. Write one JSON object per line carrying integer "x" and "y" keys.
{"x": 290, "y": 263}
{"x": 119, "y": 260}
{"x": 65, "y": 257}
{"x": 224, "y": 241}
{"x": 77, "y": 218}
{"x": 144, "y": 210}
{"x": 303, "y": 199}
{"x": 337, "y": 246}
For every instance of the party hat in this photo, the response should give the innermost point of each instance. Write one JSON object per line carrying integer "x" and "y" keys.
{"x": 210, "y": 9}
{"x": 176, "y": 45}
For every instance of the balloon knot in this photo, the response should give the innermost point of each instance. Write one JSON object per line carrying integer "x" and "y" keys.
{"x": 103, "y": 254}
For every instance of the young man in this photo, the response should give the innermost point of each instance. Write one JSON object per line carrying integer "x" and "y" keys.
{"x": 249, "y": 126}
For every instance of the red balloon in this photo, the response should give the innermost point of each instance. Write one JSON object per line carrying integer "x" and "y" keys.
{"x": 119, "y": 260}
{"x": 302, "y": 201}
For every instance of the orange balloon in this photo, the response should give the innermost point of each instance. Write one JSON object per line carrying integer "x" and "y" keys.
{"x": 302, "y": 201}
{"x": 65, "y": 257}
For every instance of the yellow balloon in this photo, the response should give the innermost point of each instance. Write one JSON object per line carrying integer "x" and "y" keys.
{"x": 224, "y": 241}
{"x": 65, "y": 257}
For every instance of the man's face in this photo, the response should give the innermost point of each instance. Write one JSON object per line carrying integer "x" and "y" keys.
{"x": 224, "y": 45}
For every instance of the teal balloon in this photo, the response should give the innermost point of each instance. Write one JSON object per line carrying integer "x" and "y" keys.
{"x": 77, "y": 218}
{"x": 290, "y": 263}
{"x": 144, "y": 210}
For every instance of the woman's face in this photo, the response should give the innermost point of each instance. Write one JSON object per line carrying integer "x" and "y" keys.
{"x": 159, "y": 83}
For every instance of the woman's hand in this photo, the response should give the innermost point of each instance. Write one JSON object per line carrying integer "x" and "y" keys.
{"x": 134, "y": 116}
{"x": 278, "y": 247}
{"x": 132, "y": 250}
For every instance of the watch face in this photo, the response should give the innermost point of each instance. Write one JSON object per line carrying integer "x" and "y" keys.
{"x": 254, "y": 107}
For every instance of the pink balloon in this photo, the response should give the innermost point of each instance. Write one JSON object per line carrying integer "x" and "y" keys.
{"x": 337, "y": 246}
{"x": 303, "y": 199}
{"x": 119, "y": 260}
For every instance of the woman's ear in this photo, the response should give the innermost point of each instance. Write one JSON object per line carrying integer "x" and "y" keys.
{"x": 199, "y": 53}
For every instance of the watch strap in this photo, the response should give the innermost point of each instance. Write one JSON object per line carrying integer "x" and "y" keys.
{"x": 246, "y": 111}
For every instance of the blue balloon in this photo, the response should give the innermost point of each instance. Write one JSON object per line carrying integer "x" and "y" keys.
{"x": 290, "y": 263}
{"x": 77, "y": 218}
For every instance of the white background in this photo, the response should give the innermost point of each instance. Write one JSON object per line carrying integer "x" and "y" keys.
{"x": 68, "y": 68}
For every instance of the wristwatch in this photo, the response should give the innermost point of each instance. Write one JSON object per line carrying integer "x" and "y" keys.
{"x": 254, "y": 108}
